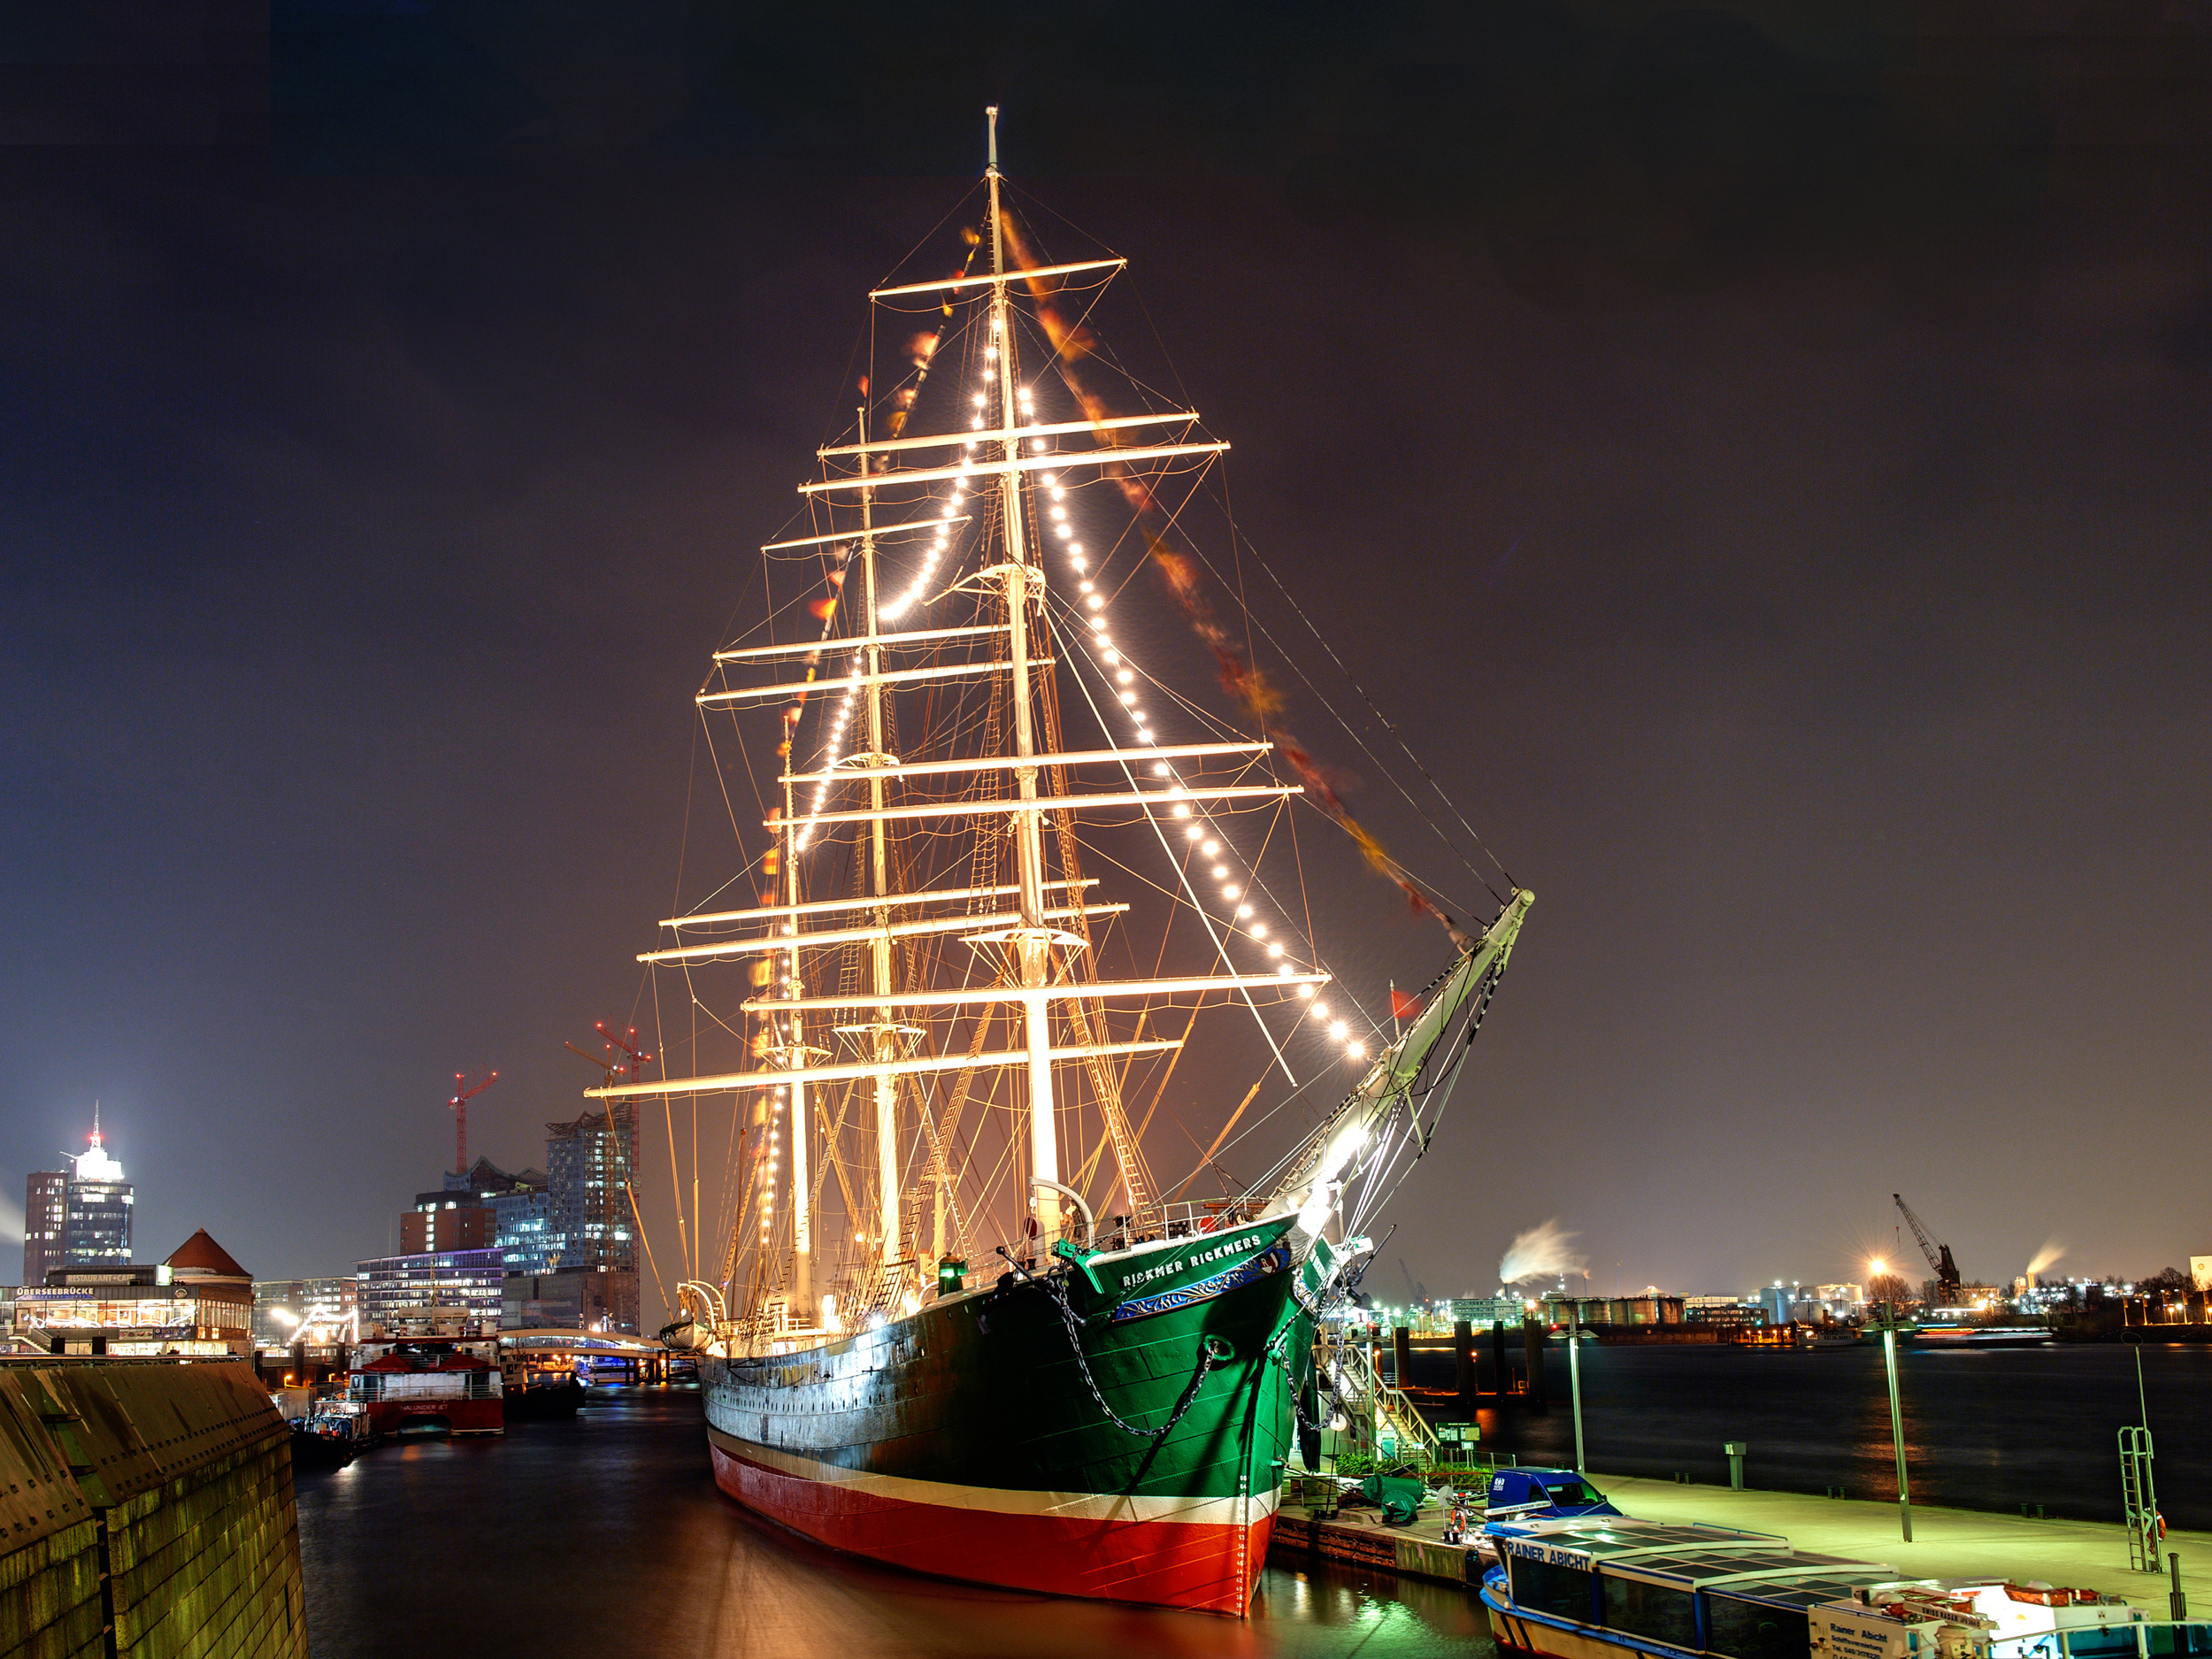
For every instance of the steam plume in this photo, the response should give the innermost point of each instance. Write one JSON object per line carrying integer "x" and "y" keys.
{"x": 2051, "y": 1251}
{"x": 11, "y": 1222}
{"x": 1542, "y": 1252}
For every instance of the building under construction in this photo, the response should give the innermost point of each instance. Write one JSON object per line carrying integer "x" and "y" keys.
{"x": 590, "y": 1165}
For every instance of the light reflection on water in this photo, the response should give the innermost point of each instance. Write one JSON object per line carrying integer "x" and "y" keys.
{"x": 608, "y": 1532}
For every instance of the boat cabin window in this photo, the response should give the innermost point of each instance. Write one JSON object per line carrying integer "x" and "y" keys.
{"x": 1753, "y": 1629}
{"x": 1544, "y": 1587}
{"x": 1657, "y": 1612}
{"x": 2101, "y": 1642}
{"x": 2178, "y": 1641}
{"x": 1569, "y": 1493}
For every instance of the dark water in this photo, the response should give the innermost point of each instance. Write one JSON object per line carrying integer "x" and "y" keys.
{"x": 1985, "y": 1429}
{"x": 607, "y": 1535}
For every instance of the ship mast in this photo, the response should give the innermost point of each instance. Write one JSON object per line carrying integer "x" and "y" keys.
{"x": 892, "y": 902}
{"x": 879, "y": 886}
{"x": 795, "y": 1058}
{"x": 1033, "y": 940}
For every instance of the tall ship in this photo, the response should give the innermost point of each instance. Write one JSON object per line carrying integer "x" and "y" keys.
{"x": 992, "y": 872}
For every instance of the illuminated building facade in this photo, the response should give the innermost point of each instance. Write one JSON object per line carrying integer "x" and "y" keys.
{"x": 588, "y": 1163}
{"x": 45, "y": 1209}
{"x": 313, "y": 1310}
{"x": 399, "y": 1293}
{"x": 486, "y": 1208}
{"x": 428, "y": 1229}
{"x": 199, "y": 1302}
{"x": 522, "y": 1223}
{"x": 77, "y": 1219}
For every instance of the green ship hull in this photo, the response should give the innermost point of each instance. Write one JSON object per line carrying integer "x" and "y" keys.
{"x": 1117, "y": 1428}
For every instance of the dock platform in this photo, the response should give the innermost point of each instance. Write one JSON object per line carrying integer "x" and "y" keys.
{"x": 1946, "y": 1543}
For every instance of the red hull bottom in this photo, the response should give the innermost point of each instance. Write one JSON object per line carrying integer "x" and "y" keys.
{"x": 459, "y": 1416}
{"x": 1160, "y": 1563}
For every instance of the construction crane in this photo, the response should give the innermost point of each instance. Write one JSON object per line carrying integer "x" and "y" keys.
{"x": 1946, "y": 1270}
{"x": 463, "y": 1094}
{"x": 638, "y": 1056}
{"x": 606, "y": 1062}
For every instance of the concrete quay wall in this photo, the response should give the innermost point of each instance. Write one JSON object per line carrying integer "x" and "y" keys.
{"x": 146, "y": 1511}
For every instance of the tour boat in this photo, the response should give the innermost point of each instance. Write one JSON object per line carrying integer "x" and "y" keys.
{"x": 950, "y": 1317}
{"x": 1600, "y": 1589}
{"x": 421, "y": 1385}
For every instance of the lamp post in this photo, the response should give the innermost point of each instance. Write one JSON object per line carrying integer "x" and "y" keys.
{"x": 1574, "y": 1375}
{"x": 1896, "y": 1416}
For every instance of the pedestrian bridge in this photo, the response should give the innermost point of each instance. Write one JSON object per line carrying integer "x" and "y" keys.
{"x": 584, "y": 1342}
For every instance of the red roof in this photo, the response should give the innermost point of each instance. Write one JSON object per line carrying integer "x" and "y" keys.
{"x": 200, "y": 1254}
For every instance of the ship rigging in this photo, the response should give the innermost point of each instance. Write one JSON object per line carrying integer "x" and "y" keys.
{"x": 942, "y": 1190}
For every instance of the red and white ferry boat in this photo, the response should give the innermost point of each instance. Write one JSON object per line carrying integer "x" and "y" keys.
{"x": 429, "y": 1383}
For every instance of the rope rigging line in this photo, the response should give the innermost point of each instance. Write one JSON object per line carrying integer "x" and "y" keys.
{"x": 1237, "y": 535}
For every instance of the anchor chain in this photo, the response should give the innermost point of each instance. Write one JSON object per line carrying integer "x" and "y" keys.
{"x": 1276, "y": 1352}
{"x": 1210, "y": 1349}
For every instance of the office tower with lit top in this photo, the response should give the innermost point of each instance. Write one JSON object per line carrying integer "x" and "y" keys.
{"x": 97, "y": 1205}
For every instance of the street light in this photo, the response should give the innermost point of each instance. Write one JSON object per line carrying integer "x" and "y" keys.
{"x": 1896, "y": 1416}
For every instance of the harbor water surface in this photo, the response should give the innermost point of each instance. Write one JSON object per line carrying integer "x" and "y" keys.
{"x": 1988, "y": 1428}
{"x": 601, "y": 1533}
{"x": 606, "y": 1534}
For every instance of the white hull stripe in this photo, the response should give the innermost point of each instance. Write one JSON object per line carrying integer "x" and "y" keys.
{"x": 1071, "y": 1506}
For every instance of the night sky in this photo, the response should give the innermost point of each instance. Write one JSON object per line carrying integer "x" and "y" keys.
{"x": 1758, "y": 455}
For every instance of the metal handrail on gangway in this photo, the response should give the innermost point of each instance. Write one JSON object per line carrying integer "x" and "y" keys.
{"x": 1353, "y": 1374}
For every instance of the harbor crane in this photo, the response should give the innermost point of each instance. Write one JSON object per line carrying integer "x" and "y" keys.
{"x": 463, "y": 1093}
{"x": 1946, "y": 1270}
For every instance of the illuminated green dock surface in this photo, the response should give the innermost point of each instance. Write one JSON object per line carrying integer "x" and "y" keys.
{"x": 1946, "y": 1543}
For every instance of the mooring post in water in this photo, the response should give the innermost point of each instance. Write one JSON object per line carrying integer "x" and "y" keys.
{"x": 1896, "y": 1416}
{"x": 1400, "y": 1356}
{"x": 1735, "y": 1451}
{"x": 1463, "y": 1359}
{"x": 1533, "y": 1337}
{"x": 1574, "y": 1375}
{"x": 1501, "y": 1378}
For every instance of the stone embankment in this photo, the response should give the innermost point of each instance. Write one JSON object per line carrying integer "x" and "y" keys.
{"x": 145, "y": 1511}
